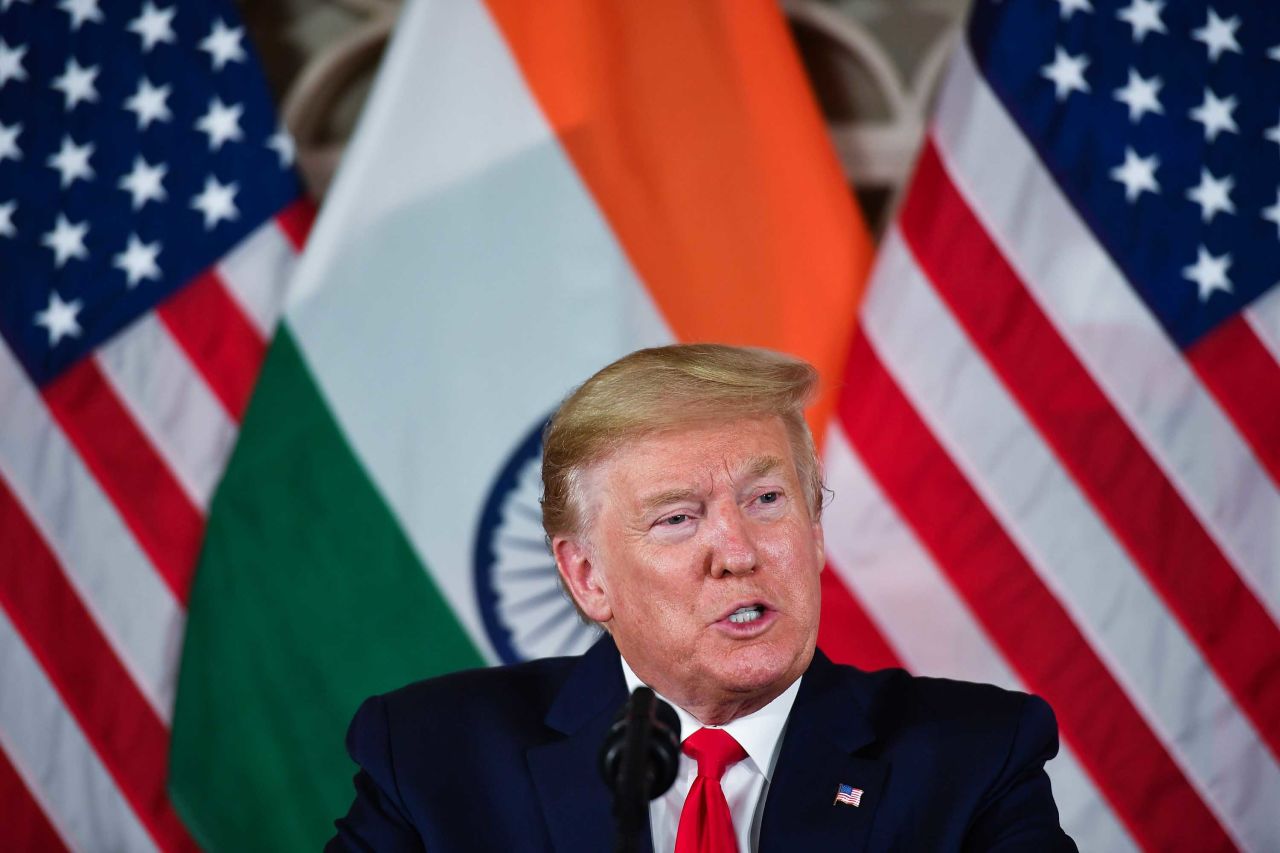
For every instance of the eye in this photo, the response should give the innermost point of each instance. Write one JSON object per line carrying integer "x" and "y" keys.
{"x": 769, "y": 497}
{"x": 673, "y": 520}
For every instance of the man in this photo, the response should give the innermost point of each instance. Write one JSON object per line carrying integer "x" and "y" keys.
{"x": 682, "y": 501}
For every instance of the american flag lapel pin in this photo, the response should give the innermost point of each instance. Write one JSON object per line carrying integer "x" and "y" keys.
{"x": 848, "y": 795}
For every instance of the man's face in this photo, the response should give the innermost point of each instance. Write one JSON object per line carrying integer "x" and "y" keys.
{"x": 702, "y": 561}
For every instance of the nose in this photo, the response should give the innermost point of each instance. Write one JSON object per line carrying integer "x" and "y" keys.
{"x": 733, "y": 551}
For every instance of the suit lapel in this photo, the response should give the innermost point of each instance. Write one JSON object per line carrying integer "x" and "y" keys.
{"x": 576, "y": 803}
{"x": 825, "y": 730}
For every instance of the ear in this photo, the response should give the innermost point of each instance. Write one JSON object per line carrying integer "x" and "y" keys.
{"x": 820, "y": 544}
{"x": 574, "y": 560}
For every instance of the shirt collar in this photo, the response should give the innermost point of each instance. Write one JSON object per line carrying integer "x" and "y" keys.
{"x": 759, "y": 733}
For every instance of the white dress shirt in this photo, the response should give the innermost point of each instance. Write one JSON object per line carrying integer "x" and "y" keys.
{"x": 745, "y": 784}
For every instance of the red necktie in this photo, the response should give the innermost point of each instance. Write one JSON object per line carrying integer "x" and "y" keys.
{"x": 705, "y": 823}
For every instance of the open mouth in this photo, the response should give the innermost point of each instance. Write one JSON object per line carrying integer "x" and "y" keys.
{"x": 744, "y": 615}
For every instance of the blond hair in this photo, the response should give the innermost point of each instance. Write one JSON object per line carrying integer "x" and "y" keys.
{"x": 662, "y": 388}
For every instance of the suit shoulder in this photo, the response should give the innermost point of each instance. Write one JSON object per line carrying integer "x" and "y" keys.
{"x": 479, "y": 691}
{"x": 895, "y": 698}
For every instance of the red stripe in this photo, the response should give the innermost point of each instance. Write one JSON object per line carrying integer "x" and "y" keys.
{"x": 219, "y": 339}
{"x": 165, "y": 522}
{"x": 1241, "y": 374}
{"x": 296, "y": 221}
{"x": 846, "y": 633}
{"x": 1110, "y": 464}
{"x": 1030, "y": 627}
{"x": 123, "y": 729}
{"x": 25, "y": 826}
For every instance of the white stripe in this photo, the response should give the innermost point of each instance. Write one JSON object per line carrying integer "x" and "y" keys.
{"x": 137, "y": 613}
{"x": 1263, "y": 316}
{"x": 1110, "y": 330}
{"x": 1070, "y": 548}
{"x": 490, "y": 259}
{"x": 55, "y": 761}
{"x": 930, "y": 628}
{"x": 172, "y": 403}
{"x": 881, "y": 562}
{"x": 257, "y": 274}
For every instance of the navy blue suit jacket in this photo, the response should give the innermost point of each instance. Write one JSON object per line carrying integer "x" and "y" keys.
{"x": 505, "y": 759}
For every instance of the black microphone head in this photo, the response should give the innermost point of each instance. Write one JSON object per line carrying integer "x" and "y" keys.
{"x": 650, "y": 727}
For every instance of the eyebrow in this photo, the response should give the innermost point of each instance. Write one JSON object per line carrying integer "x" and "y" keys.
{"x": 758, "y": 466}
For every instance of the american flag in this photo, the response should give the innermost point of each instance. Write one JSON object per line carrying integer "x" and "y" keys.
{"x": 848, "y": 795}
{"x": 149, "y": 216}
{"x": 1057, "y": 455}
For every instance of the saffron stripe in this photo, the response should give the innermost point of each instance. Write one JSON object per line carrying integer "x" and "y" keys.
{"x": 1128, "y": 489}
{"x": 1034, "y": 633}
{"x": 26, "y": 826}
{"x": 780, "y": 254}
{"x": 125, "y": 732}
{"x": 1244, "y": 378}
{"x": 149, "y": 498}
{"x": 218, "y": 337}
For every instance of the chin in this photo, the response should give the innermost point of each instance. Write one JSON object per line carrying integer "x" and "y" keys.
{"x": 756, "y": 670}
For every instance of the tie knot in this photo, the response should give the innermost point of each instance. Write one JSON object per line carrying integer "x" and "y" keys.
{"x": 714, "y": 750}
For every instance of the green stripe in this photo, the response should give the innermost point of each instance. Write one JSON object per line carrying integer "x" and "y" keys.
{"x": 308, "y": 599}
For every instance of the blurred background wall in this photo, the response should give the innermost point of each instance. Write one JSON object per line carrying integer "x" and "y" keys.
{"x": 874, "y": 65}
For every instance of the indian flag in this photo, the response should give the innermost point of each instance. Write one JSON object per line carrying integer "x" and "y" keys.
{"x": 533, "y": 191}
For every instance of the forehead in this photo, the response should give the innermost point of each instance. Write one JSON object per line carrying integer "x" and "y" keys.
{"x": 696, "y": 455}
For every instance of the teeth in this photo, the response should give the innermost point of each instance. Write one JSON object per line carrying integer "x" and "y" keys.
{"x": 746, "y": 614}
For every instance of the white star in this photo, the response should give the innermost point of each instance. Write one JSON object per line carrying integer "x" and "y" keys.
{"x": 139, "y": 260}
{"x": 282, "y": 143}
{"x": 1215, "y": 115}
{"x": 1218, "y": 35}
{"x": 149, "y": 103}
{"x": 1140, "y": 95}
{"x": 154, "y": 25}
{"x": 1137, "y": 174}
{"x": 1274, "y": 53}
{"x": 1209, "y": 273}
{"x": 81, "y": 11}
{"x": 216, "y": 201}
{"x": 1213, "y": 195}
{"x": 11, "y": 62}
{"x": 1070, "y": 7}
{"x": 1272, "y": 134}
{"x": 1272, "y": 213}
{"x": 72, "y": 161}
{"x": 221, "y": 123}
{"x": 7, "y": 210}
{"x": 223, "y": 44}
{"x": 67, "y": 240}
{"x": 145, "y": 182}
{"x": 60, "y": 318}
{"x": 1144, "y": 17}
{"x": 76, "y": 84}
{"x": 1067, "y": 73}
{"x": 9, "y": 141}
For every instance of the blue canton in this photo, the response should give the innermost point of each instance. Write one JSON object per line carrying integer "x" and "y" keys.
{"x": 1161, "y": 124}
{"x": 137, "y": 146}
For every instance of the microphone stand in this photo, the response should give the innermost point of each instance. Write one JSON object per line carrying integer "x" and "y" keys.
{"x": 638, "y": 760}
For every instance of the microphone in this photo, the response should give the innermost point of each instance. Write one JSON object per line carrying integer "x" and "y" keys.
{"x": 638, "y": 760}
